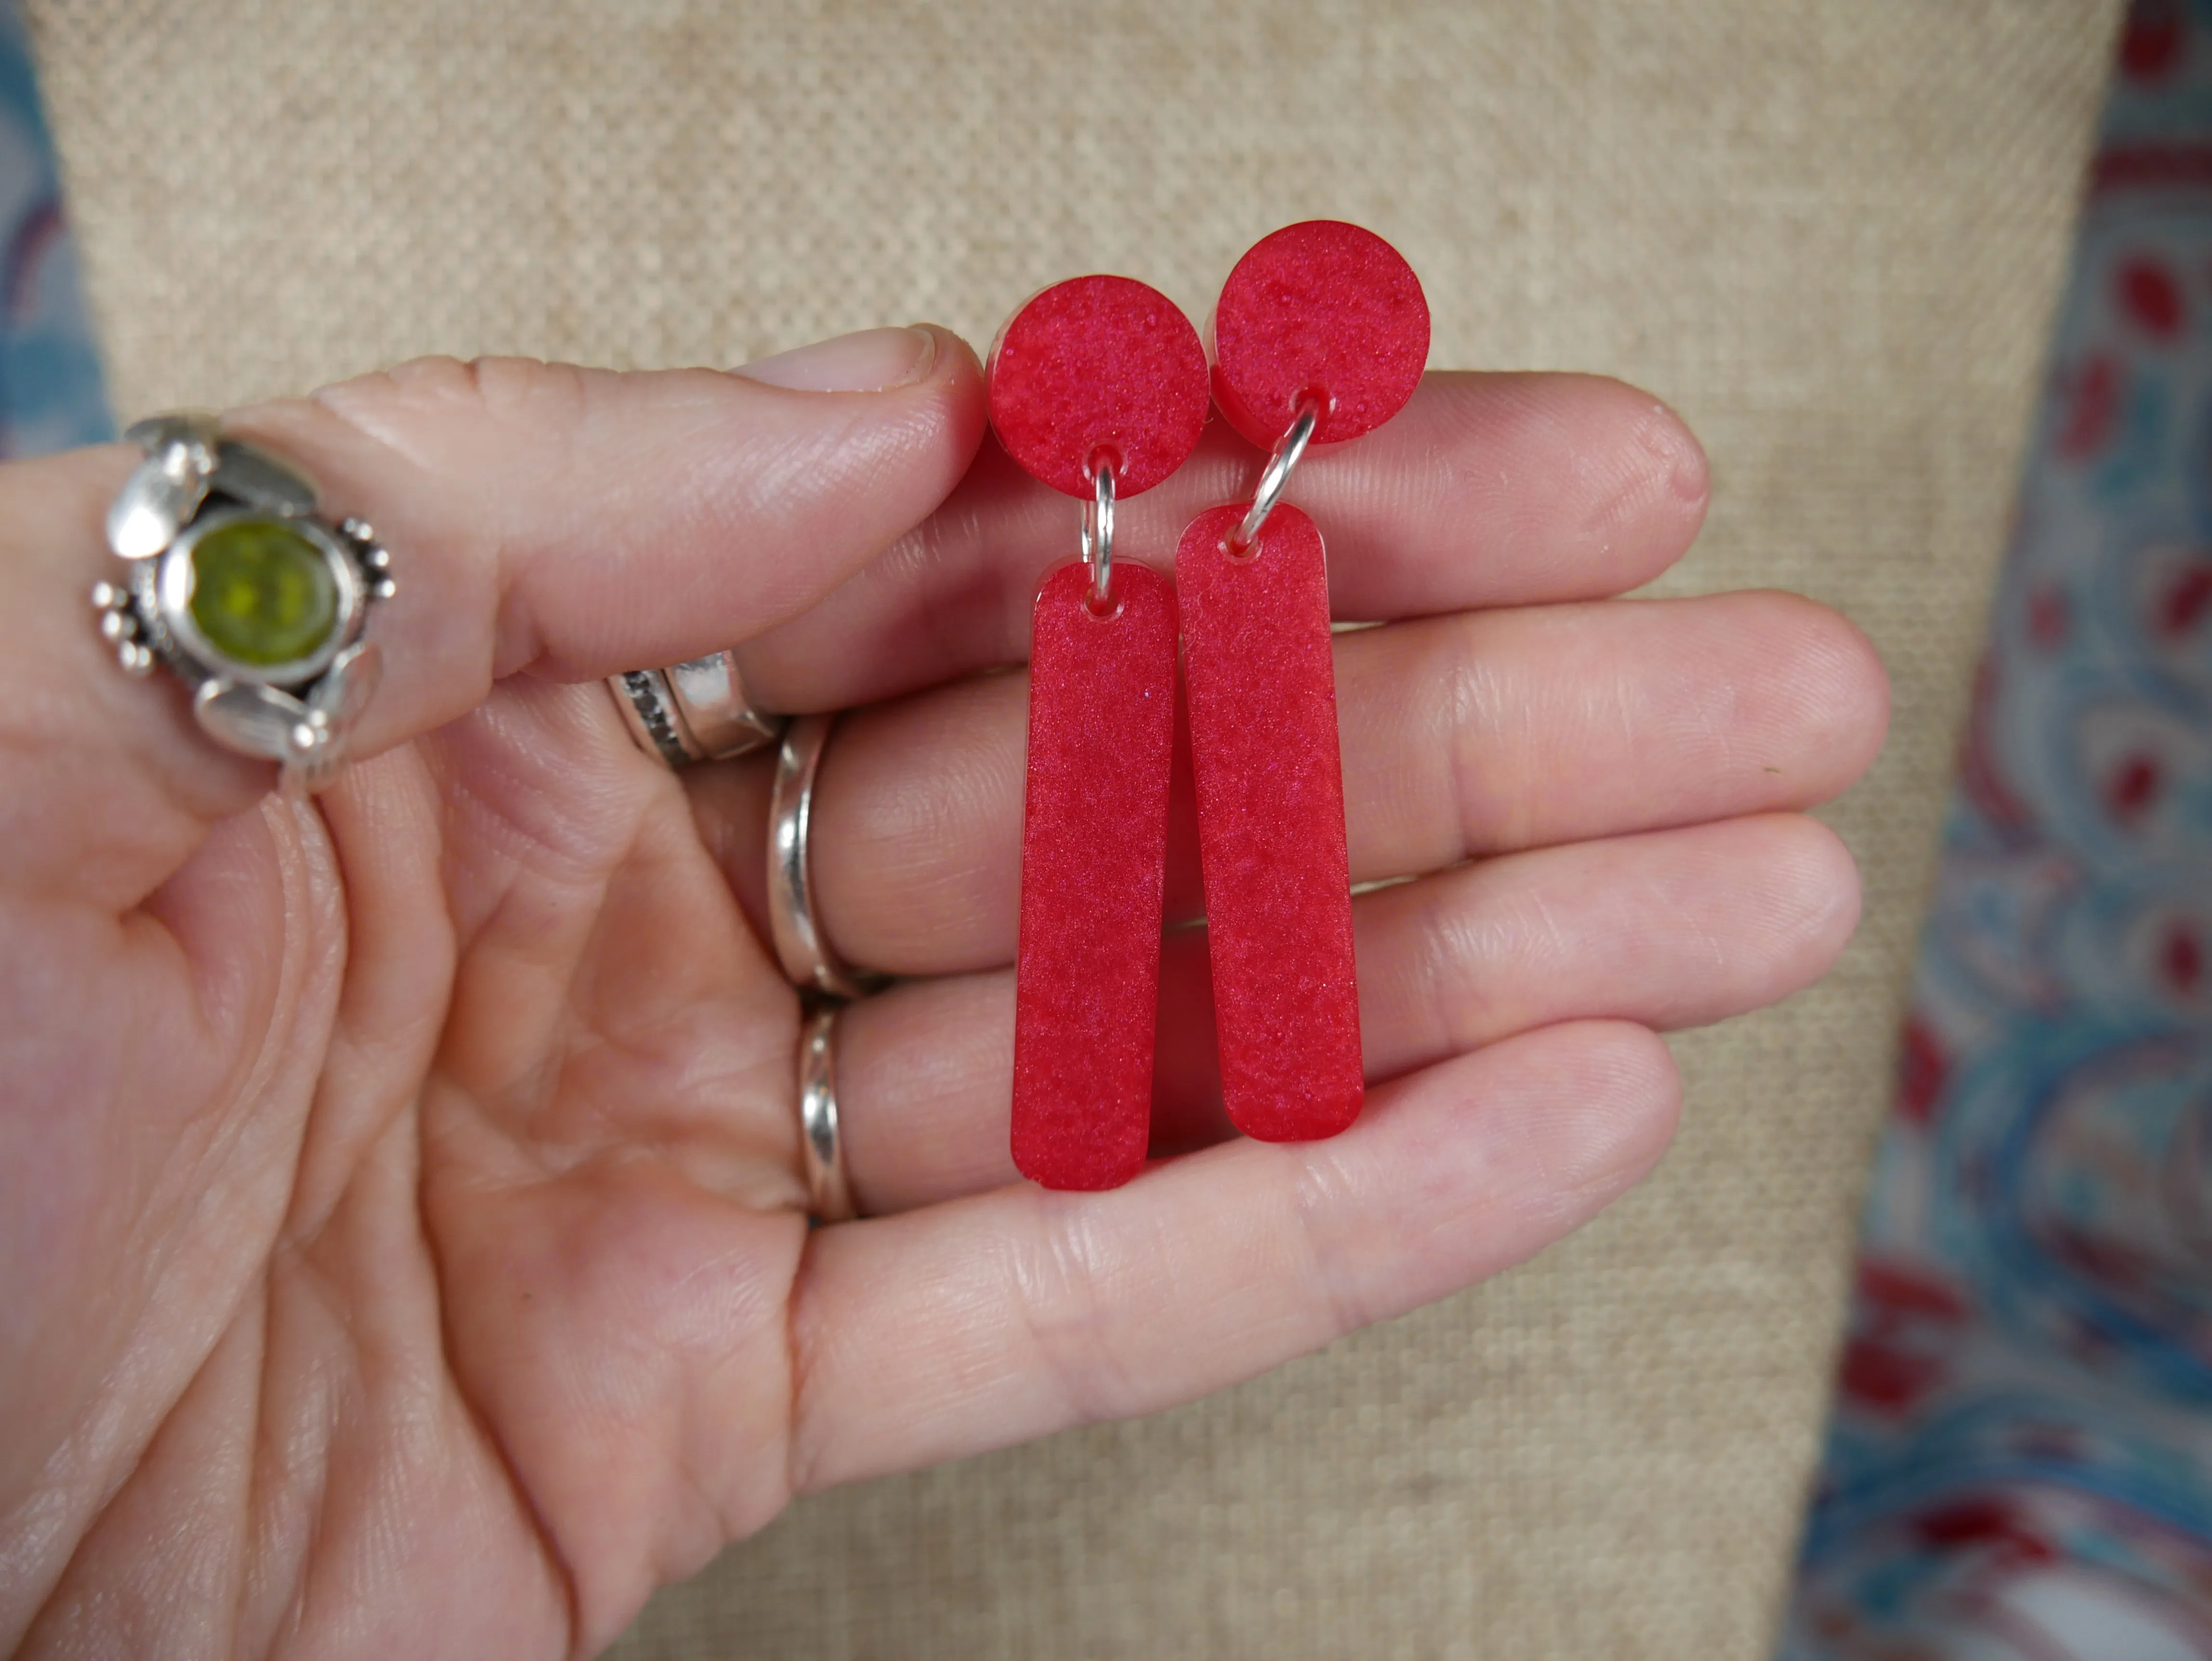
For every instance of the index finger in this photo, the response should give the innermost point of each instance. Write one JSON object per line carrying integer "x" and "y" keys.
{"x": 564, "y": 521}
{"x": 1487, "y": 490}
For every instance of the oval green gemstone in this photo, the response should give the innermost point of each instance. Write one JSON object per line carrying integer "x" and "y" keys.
{"x": 261, "y": 592}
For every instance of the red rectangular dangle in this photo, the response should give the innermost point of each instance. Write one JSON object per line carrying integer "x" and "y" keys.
{"x": 1261, "y": 684}
{"x": 1094, "y": 852}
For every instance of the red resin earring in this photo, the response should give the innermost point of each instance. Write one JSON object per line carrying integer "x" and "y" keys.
{"x": 1097, "y": 386}
{"x": 1321, "y": 334}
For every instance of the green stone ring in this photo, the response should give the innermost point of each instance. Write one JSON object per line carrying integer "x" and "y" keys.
{"x": 237, "y": 583}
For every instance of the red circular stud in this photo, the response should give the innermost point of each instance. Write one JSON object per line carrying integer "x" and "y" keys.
{"x": 1098, "y": 366}
{"x": 1322, "y": 308}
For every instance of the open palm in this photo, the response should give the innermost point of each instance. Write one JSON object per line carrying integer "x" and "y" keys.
{"x": 402, "y": 1243}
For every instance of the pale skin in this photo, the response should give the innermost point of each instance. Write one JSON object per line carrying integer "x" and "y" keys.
{"x": 402, "y": 1235}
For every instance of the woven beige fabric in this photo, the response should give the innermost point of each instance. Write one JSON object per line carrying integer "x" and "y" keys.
{"x": 1829, "y": 231}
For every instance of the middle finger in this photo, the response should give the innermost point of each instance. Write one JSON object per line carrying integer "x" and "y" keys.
{"x": 1573, "y": 487}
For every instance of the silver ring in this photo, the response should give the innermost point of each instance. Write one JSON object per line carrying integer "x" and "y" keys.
{"x": 829, "y": 1189}
{"x": 805, "y": 955}
{"x": 1099, "y": 534}
{"x": 1277, "y": 477}
{"x": 692, "y": 711}
{"x": 239, "y": 587}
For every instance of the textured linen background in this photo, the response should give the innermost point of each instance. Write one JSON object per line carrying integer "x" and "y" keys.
{"x": 1829, "y": 232}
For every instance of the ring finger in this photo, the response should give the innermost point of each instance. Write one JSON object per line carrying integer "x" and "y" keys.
{"x": 1670, "y": 929}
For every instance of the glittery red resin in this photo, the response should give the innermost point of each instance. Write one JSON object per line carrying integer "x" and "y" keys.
{"x": 1263, "y": 692}
{"x": 1094, "y": 849}
{"x": 1099, "y": 365}
{"x": 1322, "y": 308}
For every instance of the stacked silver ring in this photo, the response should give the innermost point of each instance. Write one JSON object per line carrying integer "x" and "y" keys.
{"x": 698, "y": 711}
{"x": 809, "y": 963}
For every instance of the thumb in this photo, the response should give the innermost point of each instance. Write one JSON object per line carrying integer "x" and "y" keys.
{"x": 542, "y": 518}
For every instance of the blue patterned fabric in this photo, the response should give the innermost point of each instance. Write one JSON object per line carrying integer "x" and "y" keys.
{"x": 2020, "y": 1463}
{"x": 50, "y": 392}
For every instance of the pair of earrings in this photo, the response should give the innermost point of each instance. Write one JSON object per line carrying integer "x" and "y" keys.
{"x": 1099, "y": 386}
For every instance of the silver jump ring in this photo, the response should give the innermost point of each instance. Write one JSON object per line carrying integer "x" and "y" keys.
{"x": 1277, "y": 478}
{"x": 800, "y": 947}
{"x": 1098, "y": 533}
{"x": 829, "y": 1189}
{"x": 693, "y": 711}
{"x": 239, "y": 586}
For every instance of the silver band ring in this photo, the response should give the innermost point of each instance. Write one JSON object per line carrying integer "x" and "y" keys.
{"x": 806, "y": 955}
{"x": 239, "y": 586}
{"x": 829, "y": 1191}
{"x": 693, "y": 711}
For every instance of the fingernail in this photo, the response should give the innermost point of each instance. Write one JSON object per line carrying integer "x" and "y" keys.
{"x": 1674, "y": 446}
{"x": 873, "y": 361}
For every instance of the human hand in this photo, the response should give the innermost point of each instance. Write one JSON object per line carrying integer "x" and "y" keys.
{"x": 401, "y": 1236}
